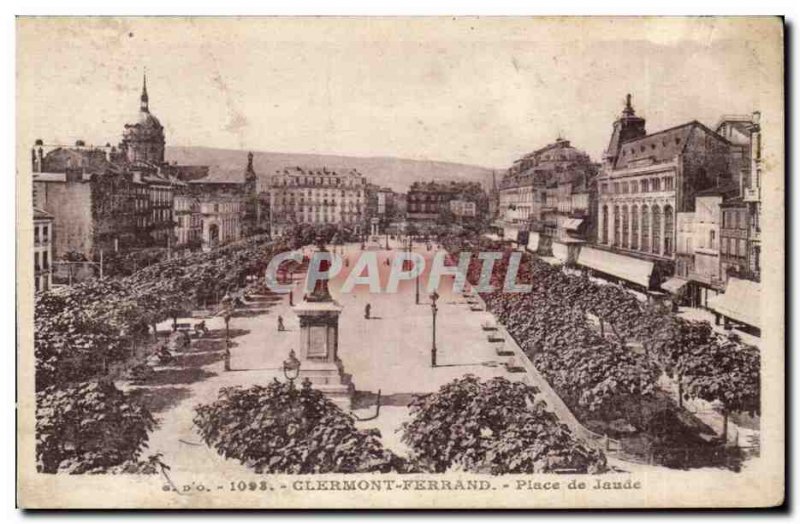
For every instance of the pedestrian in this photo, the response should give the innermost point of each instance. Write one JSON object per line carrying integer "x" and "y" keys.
{"x": 291, "y": 297}
{"x": 367, "y": 310}
{"x": 281, "y": 327}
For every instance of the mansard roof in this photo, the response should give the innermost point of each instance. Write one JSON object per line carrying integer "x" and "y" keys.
{"x": 662, "y": 146}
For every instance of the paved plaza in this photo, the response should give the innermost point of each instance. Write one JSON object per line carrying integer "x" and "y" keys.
{"x": 389, "y": 353}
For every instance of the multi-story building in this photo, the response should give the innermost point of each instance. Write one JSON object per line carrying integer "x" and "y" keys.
{"x": 697, "y": 253}
{"x": 317, "y": 196}
{"x": 221, "y": 219}
{"x": 429, "y": 202}
{"x": 188, "y": 219}
{"x": 109, "y": 211}
{"x": 160, "y": 191}
{"x": 647, "y": 179}
{"x": 127, "y": 197}
{"x": 741, "y": 231}
{"x": 463, "y": 208}
{"x": 42, "y": 249}
{"x": 545, "y": 200}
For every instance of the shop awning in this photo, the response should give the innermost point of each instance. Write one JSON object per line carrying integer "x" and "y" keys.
{"x": 560, "y": 251}
{"x": 573, "y": 224}
{"x": 741, "y": 302}
{"x": 620, "y": 266}
{"x": 533, "y": 242}
{"x": 674, "y": 285}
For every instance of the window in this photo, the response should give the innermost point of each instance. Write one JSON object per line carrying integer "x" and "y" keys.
{"x": 624, "y": 187}
{"x": 669, "y": 225}
{"x": 712, "y": 239}
{"x": 36, "y": 261}
{"x": 742, "y": 247}
{"x": 616, "y": 187}
{"x": 625, "y": 243}
{"x": 645, "y": 229}
{"x": 634, "y": 227}
{"x": 645, "y": 186}
{"x": 655, "y": 184}
{"x": 616, "y": 225}
{"x": 656, "y": 245}
{"x": 36, "y": 234}
{"x": 45, "y": 262}
{"x": 634, "y": 187}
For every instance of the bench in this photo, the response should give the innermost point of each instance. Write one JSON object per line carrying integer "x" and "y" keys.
{"x": 503, "y": 351}
{"x": 475, "y": 307}
{"x": 512, "y": 366}
{"x": 488, "y": 326}
{"x": 494, "y": 337}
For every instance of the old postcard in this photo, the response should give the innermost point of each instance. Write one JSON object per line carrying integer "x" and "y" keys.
{"x": 453, "y": 262}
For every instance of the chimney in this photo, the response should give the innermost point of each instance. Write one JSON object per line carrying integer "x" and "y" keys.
{"x": 37, "y": 155}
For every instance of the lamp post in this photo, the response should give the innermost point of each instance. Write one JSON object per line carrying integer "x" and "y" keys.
{"x": 434, "y": 310}
{"x": 227, "y": 319}
{"x": 291, "y": 368}
{"x": 417, "y": 292}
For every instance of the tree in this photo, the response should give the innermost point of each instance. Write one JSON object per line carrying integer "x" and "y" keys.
{"x": 727, "y": 373}
{"x": 283, "y": 429}
{"x": 90, "y": 427}
{"x": 496, "y": 427}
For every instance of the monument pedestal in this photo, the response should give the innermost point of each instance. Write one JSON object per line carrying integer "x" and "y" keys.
{"x": 318, "y": 354}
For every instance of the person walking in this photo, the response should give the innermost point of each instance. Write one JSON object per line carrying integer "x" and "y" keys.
{"x": 281, "y": 327}
{"x": 367, "y": 310}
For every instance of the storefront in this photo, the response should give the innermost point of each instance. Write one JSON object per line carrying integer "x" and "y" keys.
{"x": 740, "y": 303}
{"x": 619, "y": 267}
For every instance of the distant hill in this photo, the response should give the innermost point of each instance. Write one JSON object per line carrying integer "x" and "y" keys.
{"x": 396, "y": 173}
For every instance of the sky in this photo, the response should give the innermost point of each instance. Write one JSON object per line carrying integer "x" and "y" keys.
{"x": 481, "y": 91}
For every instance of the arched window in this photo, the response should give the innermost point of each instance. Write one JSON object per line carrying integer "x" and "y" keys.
{"x": 634, "y": 227}
{"x": 605, "y": 225}
{"x": 625, "y": 226}
{"x": 645, "y": 229}
{"x": 616, "y": 225}
{"x": 669, "y": 230}
{"x": 656, "y": 246}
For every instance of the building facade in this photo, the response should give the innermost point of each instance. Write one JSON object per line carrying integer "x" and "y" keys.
{"x": 741, "y": 231}
{"x": 317, "y": 196}
{"x": 545, "y": 200}
{"x": 42, "y": 250}
{"x": 429, "y": 202}
{"x": 647, "y": 179}
{"x": 127, "y": 198}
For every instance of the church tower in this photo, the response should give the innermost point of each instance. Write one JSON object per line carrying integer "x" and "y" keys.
{"x": 143, "y": 139}
{"x": 627, "y": 127}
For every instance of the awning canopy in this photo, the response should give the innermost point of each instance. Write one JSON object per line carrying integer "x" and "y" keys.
{"x": 560, "y": 251}
{"x": 573, "y": 224}
{"x": 533, "y": 241}
{"x": 674, "y": 285}
{"x": 620, "y": 266}
{"x": 741, "y": 302}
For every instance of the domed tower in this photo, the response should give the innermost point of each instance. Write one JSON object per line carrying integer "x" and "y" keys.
{"x": 143, "y": 139}
{"x": 627, "y": 127}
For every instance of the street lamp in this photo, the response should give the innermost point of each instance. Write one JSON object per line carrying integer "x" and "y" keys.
{"x": 434, "y": 310}
{"x": 291, "y": 368}
{"x": 227, "y": 319}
